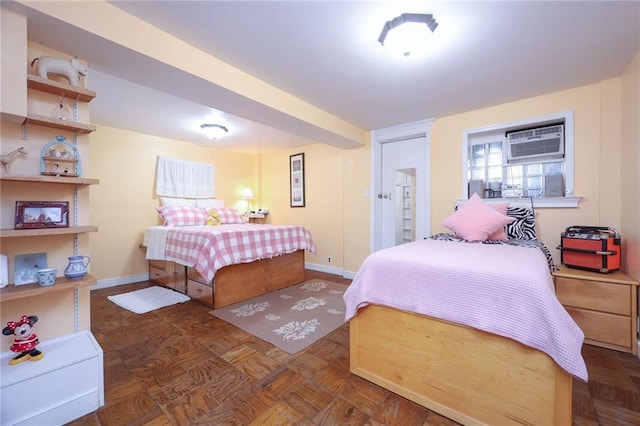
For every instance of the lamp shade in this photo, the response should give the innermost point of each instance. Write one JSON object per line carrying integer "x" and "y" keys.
{"x": 214, "y": 131}
{"x": 247, "y": 194}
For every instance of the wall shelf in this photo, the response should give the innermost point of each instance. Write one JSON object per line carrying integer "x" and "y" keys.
{"x": 50, "y": 86}
{"x": 8, "y": 233}
{"x": 14, "y": 292}
{"x": 50, "y": 179}
{"x": 72, "y": 126}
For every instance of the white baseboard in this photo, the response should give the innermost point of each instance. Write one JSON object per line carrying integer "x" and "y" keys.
{"x": 330, "y": 270}
{"x": 112, "y": 282}
{"x": 130, "y": 279}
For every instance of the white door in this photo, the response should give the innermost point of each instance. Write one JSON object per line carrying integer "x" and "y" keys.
{"x": 403, "y": 191}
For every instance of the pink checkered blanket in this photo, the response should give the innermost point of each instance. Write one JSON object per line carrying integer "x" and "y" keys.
{"x": 502, "y": 289}
{"x": 209, "y": 248}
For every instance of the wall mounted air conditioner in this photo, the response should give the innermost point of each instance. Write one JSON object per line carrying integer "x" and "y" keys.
{"x": 532, "y": 144}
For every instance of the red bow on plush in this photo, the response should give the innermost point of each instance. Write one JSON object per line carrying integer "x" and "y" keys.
{"x": 13, "y": 324}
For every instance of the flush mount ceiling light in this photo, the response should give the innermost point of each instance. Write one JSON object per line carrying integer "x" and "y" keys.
{"x": 214, "y": 131}
{"x": 408, "y": 33}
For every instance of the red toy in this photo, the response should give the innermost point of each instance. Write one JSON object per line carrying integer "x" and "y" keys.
{"x": 26, "y": 340}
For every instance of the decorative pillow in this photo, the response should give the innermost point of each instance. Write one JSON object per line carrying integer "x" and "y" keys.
{"x": 182, "y": 215}
{"x": 177, "y": 202}
{"x": 210, "y": 203}
{"x": 524, "y": 225}
{"x": 500, "y": 234}
{"x": 229, "y": 216}
{"x": 475, "y": 220}
{"x": 213, "y": 219}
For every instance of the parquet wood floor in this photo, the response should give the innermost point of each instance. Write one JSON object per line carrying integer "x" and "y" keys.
{"x": 181, "y": 366}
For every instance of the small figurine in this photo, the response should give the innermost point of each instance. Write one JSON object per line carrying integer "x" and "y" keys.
{"x": 8, "y": 158}
{"x": 26, "y": 340}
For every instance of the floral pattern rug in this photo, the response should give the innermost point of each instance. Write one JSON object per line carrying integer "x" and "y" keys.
{"x": 292, "y": 318}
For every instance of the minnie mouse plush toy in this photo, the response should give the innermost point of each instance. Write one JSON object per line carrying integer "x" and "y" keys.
{"x": 26, "y": 340}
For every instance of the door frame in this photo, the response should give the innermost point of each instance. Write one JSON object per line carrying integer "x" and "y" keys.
{"x": 416, "y": 129}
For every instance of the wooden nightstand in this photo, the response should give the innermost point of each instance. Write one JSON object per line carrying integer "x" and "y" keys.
{"x": 604, "y": 306}
{"x": 256, "y": 218}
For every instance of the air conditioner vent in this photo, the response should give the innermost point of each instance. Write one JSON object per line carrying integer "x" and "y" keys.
{"x": 539, "y": 143}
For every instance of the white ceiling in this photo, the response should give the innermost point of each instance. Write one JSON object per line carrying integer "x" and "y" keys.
{"x": 327, "y": 54}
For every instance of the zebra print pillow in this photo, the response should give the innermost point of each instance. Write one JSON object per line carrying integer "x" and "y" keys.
{"x": 524, "y": 227}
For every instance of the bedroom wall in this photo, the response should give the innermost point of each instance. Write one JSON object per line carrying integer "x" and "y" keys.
{"x": 123, "y": 204}
{"x": 336, "y": 210}
{"x": 630, "y": 168}
{"x": 597, "y": 156}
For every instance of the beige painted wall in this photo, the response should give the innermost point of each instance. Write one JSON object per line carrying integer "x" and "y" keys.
{"x": 323, "y": 213}
{"x": 336, "y": 211}
{"x": 630, "y": 167}
{"x": 597, "y": 156}
{"x": 124, "y": 204}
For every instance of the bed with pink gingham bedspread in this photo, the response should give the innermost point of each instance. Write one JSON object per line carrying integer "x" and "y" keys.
{"x": 209, "y": 248}
{"x": 502, "y": 289}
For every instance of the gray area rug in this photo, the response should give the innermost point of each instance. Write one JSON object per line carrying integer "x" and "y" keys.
{"x": 292, "y": 318}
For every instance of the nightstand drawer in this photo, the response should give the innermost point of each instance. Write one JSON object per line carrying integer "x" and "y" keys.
{"x": 200, "y": 292}
{"x": 595, "y": 295}
{"x": 601, "y": 327}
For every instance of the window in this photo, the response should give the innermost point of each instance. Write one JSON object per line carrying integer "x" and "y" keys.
{"x": 488, "y": 169}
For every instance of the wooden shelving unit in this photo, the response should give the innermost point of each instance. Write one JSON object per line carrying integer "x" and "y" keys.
{"x": 50, "y": 179}
{"x": 72, "y": 126}
{"x": 14, "y": 292}
{"x": 50, "y": 86}
{"x": 8, "y": 233}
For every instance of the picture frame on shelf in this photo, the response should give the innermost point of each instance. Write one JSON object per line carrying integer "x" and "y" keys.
{"x": 296, "y": 180}
{"x": 27, "y": 265}
{"x": 42, "y": 214}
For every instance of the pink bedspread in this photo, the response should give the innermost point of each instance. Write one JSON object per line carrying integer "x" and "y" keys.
{"x": 210, "y": 248}
{"x": 501, "y": 289}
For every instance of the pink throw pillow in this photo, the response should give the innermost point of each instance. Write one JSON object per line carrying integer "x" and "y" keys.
{"x": 229, "y": 216}
{"x": 475, "y": 220}
{"x": 500, "y": 234}
{"x": 182, "y": 215}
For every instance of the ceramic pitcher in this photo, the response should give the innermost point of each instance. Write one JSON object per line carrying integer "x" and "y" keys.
{"x": 77, "y": 266}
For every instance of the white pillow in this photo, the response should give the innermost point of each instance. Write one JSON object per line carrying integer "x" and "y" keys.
{"x": 177, "y": 202}
{"x": 210, "y": 203}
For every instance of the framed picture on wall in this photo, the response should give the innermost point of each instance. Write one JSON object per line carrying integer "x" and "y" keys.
{"x": 296, "y": 177}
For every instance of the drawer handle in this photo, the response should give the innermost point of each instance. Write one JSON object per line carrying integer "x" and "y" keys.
{"x": 577, "y": 250}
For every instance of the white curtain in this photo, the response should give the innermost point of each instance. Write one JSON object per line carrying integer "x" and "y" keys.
{"x": 181, "y": 178}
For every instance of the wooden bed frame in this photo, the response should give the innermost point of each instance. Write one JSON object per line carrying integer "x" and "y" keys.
{"x": 465, "y": 374}
{"x": 235, "y": 283}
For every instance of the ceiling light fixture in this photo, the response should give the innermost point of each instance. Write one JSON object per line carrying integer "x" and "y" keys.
{"x": 214, "y": 131}
{"x": 411, "y": 33}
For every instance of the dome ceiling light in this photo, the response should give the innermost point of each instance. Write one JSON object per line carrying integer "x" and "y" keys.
{"x": 408, "y": 33}
{"x": 214, "y": 131}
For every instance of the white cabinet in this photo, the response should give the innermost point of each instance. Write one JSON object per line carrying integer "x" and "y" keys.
{"x": 65, "y": 384}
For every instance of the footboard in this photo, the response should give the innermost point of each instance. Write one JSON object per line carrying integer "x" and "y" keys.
{"x": 465, "y": 374}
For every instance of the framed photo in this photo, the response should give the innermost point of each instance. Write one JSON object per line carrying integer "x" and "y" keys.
{"x": 296, "y": 176}
{"x": 42, "y": 214}
{"x": 27, "y": 266}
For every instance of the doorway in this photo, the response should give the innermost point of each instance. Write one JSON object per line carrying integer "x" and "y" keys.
{"x": 401, "y": 184}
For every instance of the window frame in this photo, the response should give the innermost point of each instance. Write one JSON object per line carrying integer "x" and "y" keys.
{"x": 479, "y": 133}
